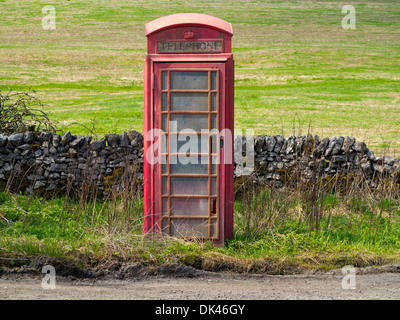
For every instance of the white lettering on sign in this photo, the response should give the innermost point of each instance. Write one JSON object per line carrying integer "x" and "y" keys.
{"x": 189, "y": 46}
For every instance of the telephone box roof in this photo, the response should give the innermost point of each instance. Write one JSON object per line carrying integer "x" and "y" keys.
{"x": 188, "y": 19}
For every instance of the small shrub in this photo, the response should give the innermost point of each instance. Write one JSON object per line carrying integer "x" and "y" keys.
{"x": 20, "y": 112}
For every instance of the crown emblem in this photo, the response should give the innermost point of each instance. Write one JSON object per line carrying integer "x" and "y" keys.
{"x": 189, "y": 34}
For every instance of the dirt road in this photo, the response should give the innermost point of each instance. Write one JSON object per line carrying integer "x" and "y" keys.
{"x": 368, "y": 285}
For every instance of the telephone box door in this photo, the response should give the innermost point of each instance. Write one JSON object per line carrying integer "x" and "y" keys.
{"x": 189, "y": 102}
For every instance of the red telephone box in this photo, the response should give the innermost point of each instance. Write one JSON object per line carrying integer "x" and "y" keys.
{"x": 188, "y": 126}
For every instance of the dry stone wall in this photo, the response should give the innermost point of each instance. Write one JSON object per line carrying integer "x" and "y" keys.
{"x": 313, "y": 159}
{"x": 45, "y": 163}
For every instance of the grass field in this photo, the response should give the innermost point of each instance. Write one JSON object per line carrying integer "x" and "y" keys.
{"x": 274, "y": 233}
{"x": 295, "y": 65}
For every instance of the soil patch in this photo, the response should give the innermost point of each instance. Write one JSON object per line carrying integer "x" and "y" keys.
{"x": 182, "y": 268}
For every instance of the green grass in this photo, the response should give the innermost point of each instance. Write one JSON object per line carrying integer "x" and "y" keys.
{"x": 294, "y": 63}
{"x": 350, "y": 231}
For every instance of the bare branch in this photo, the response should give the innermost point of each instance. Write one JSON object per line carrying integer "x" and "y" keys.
{"x": 21, "y": 111}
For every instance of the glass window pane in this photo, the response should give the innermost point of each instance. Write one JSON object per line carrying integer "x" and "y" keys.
{"x": 189, "y": 80}
{"x": 164, "y": 102}
{"x": 164, "y": 145}
{"x": 204, "y": 143}
{"x": 173, "y": 143}
{"x": 195, "y": 122}
{"x": 164, "y": 186}
{"x": 213, "y": 101}
{"x": 190, "y": 165}
{"x": 189, "y": 228}
{"x": 189, "y": 207}
{"x": 189, "y": 101}
{"x": 165, "y": 166}
{"x": 213, "y": 80}
{"x": 213, "y": 186}
{"x": 164, "y": 80}
{"x": 213, "y": 165}
{"x": 164, "y": 226}
{"x": 189, "y": 186}
{"x": 164, "y": 120}
{"x": 213, "y": 144}
{"x": 213, "y": 229}
{"x": 213, "y": 121}
{"x": 164, "y": 206}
